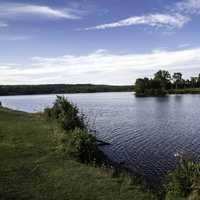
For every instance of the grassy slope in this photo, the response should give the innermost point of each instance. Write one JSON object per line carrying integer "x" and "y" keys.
{"x": 32, "y": 167}
{"x": 186, "y": 91}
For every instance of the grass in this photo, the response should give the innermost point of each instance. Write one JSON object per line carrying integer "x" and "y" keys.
{"x": 185, "y": 91}
{"x": 33, "y": 166}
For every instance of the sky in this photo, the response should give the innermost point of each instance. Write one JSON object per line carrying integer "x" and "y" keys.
{"x": 97, "y": 41}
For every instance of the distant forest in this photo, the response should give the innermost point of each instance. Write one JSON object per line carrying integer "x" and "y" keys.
{"x": 60, "y": 89}
{"x": 164, "y": 83}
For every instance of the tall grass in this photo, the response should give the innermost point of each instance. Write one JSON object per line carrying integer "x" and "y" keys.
{"x": 184, "y": 181}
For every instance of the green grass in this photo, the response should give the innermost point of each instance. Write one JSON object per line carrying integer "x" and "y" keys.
{"x": 185, "y": 91}
{"x": 33, "y": 166}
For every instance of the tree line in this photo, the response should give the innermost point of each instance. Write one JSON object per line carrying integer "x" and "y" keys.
{"x": 60, "y": 89}
{"x": 163, "y": 83}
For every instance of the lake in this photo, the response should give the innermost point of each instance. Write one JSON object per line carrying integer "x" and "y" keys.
{"x": 145, "y": 133}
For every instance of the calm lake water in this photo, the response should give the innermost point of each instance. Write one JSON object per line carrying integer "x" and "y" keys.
{"x": 145, "y": 133}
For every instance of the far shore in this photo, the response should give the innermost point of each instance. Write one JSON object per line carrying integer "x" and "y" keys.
{"x": 11, "y": 90}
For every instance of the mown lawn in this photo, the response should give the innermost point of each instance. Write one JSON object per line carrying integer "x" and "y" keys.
{"x": 33, "y": 166}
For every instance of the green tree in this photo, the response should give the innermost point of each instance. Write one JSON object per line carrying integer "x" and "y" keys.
{"x": 198, "y": 81}
{"x": 141, "y": 85}
{"x": 149, "y": 87}
{"x": 194, "y": 81}
{"x": 164, "y": 77}
{"x": 177, "y": 78}
{"x": 66, "y": 114}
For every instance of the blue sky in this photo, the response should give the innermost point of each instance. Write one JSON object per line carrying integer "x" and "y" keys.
{"x": 97, "y": 41}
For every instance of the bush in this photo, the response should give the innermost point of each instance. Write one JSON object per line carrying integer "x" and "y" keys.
{"x": 184, "y": 182}
{"x": 83, "y": 147}
{"x": 66, "y": 114}
{"x": 80, "y": 144}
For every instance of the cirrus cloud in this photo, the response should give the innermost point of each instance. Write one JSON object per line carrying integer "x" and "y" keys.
{"x": 175, "y": 16}
{"x": 188, "y": 6}
{"x": 154, "y": 20}
{"x": 8, "y": 10}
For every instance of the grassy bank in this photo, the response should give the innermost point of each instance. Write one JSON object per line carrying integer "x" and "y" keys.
{"x": 52, "y": 156}
{"x": 34, "y": 166}
{"x": 185, "y": 91}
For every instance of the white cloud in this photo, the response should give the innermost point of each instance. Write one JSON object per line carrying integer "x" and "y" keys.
{"x": 100, "y": 67}
{"x": 19, "y": 9}
{"x": 154, "y": 20}
{"x": 2, "y": 67}
{"x": 188, "y": 6}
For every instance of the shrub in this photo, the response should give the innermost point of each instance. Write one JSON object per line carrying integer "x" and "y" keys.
{"x": 83, "y": 147}
{"x": 48, "y": 113}
{"x": 80, "y": 144}
{"x": 66, "y": 114}
{"x": 184, "y": 182}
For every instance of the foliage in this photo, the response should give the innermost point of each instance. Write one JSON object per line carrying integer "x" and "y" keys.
{"x": 164, "y": 77}
{"x": 83, "y": 147}
{"x": 149, "y": 87}
{"x": 184, "y": 182}
{"x": 178, "y": 81}
{"x": 80, "y": 144}
{"x": 164, "y": 83}
{"x": 66, "y": 114}
{"x": 60, "y": 89}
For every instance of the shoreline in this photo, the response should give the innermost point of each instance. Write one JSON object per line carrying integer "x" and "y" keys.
{"x": 118, "y": 168}
{"x": 43, "y": 94}
{"x": 46, "y": 165}
{"x": 171, "y": 92}
{"x": 34, "y": 146}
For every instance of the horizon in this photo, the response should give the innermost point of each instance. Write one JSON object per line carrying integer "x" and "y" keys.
{"x": 97, "y": 42}
{"x": 63, "y": 84}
